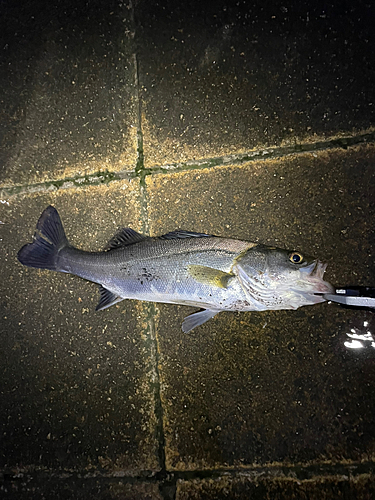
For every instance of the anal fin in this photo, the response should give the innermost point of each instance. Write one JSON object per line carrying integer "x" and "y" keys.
{"x": 107, "y": 299}
{"x": 197, "y": 319}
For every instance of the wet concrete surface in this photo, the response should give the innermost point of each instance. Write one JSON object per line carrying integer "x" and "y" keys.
{"x": 67, "y": 376}
{"x": 247, "y": 487}
{"x": 82, "y": 489}
{"x": 230, "y": 77}
{"x": 254, "y": 387}
{"x": 68, "y": 94}
{"x": 253, "y": 122}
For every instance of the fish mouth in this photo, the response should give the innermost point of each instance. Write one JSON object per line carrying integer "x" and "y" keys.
{"x": 314, "y": 275}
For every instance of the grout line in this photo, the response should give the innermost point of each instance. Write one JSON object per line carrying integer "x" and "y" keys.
{"x": 150, "y": 308}
{"x": 299, "y": 472}
{"x": 139, "y": 168}
{"x": 94, "y": 179}
{"x": 105, "y": 177}
{"x": 159, "y": 410}
{"x": 265, "y": 153}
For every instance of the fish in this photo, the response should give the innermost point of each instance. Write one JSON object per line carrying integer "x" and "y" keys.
{"x": 182, "y": 267}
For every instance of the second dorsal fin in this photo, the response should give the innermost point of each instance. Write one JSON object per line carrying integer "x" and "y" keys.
{"x": 180, "y": 234}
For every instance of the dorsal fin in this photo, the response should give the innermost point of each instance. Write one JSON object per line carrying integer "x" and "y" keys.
{"x": 124, "y": 237}
{"x": 180, "y": 234}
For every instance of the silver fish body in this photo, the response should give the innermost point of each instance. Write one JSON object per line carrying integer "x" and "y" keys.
{"x": 194, "y": 269}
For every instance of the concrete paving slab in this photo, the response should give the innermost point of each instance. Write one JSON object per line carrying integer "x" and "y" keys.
{"x": 244, "y": 487}
{"x": 220, "y": 78}
{"x": 278, "y": 386}
{"x": 68, "y": 104}
{"x": 77, "y": 387}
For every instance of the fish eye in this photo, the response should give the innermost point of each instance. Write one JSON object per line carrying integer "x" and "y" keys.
{"x": 296, "y": 258}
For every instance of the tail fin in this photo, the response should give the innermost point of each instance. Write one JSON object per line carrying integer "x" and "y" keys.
{"x": 49, "y": 239}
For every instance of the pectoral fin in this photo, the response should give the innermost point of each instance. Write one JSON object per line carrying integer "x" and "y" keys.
{"x": 210, "y": 276}
{"x": 107, "y": 299}
{"x": 197, "y": 319}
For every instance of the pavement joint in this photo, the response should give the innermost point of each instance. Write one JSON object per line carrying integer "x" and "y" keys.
{"x": 140, "y": 172}
{"x": 97, "y": 178}
{"x": 298, "y": 472}
{"x": 159, "y": 412}
{"x": 139, "y": 168}
{"x": 150, "y": 313}
{"x": 149, "y": 308}
{"x": 266, "y": 153}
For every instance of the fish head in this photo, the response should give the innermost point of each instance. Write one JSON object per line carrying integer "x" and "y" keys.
{"x": 282, "y": 279}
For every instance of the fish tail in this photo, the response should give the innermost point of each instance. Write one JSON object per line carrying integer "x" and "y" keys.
{"x": 49, "y": 239}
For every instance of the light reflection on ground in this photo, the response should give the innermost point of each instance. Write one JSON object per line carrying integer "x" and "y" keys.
{"x": 360, "y": 339}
